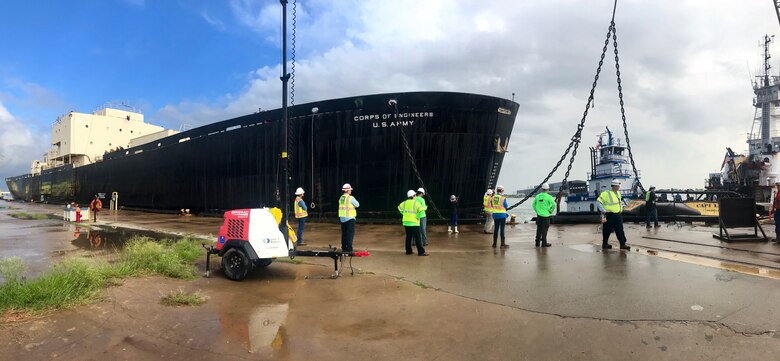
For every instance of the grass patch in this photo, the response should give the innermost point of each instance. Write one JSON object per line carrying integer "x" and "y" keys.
{"x": 78, "y": 281}
{"x": 29, "y": 216}
{"x": 181, "y": 298}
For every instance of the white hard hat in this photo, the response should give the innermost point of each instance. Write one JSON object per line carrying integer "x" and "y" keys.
{"x": 489, "y": 191}
{"x": 299, "y": 191}
{"x": 421, "y": 190}
{"x": 545, "y": 186}
{"x": 500, "y": 188}
{"x": 452, "y": 198}
{"x": 346, "y": 187}
{"x": 410, "y": 193}
{"x": 615, "y": 182}
{"x": 652, "y": 187}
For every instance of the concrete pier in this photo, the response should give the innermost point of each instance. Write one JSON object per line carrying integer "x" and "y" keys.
{"x": 678, "y": 295}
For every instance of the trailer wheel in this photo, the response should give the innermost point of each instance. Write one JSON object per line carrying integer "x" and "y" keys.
{"x": 236, "y": 264}
{"x": 263, "y": 262}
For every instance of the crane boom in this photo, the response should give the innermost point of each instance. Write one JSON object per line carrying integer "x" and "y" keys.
{"x": 777, "y": 9}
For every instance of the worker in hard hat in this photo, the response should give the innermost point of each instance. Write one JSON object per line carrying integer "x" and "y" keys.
{"x": 650, "y": 208}
{"x": 423, "y": 216}
{"x": 411, "y": 210}
{"x": 610, "y": 204}
{"x": 499, "y": 205}
{"x": 301, "y": 213}
{"x": 347, "y": 215}
{"x": 544, "y": 205}
{"x": 453, "y": 214}
{"x": 486, "y": 204}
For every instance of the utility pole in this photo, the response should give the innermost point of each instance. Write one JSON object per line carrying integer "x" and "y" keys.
{"x": 285, "y": 160}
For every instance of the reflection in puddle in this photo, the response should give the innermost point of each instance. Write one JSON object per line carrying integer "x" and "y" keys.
{"x": 260, "y": 332}
{"x": 98, "y": 239}
{"x": 589, "y": 248}
{"x": 708, "y": 262}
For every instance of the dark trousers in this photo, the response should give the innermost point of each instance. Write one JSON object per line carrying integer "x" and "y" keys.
{"x": 542, "y": 225}
{"x": 94, "y": 214}
{"x": 301, "y": 226}
{"x": 413, "y": 233}
{"x": 347, "y": 235}
{"x": 652, "y": 215}
{"x": 777, "y": 224}
{"x": 500, "y": 224}
{"x": 614, "y": 223}
{"x": 454, "y": 219}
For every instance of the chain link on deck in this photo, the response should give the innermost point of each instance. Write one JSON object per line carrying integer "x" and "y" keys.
{"x": 575, "y": 140}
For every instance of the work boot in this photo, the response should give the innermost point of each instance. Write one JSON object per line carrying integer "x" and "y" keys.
{"x": 656, "y": 225}
{"x": 545, "y": 244}
{"x": 301, "y": 243}
{"x": 494, "y": 244}
{"x": 456, "y": 229}
{"x": 648, "y": 226}
{"x": 625, "y": 247}
{"x": 449, "y": 229}
{"x": 606, "y": 246}
{"x": 504, "y": 245}
{"x": 536, "y": 244}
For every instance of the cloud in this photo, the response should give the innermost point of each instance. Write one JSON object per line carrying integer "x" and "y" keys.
{"x": 682, "y": 69}
{"x": 216, "y": 23}
{"x": 17, "y": 143}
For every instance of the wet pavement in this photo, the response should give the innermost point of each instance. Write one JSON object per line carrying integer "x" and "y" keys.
{"x": 466, "y": 301}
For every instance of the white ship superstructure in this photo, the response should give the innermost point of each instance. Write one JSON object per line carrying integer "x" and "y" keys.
{"x": 609, "y": 161}
{"x": 80, "y": 138}
{"x": 763, "y": 147}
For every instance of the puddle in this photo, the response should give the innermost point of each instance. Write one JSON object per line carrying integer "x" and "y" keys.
{"x": 261, "y": 332}
{"x": 588, "y": 248}
{"x": 109, "y": 239}
{"x": 714, "y": 263}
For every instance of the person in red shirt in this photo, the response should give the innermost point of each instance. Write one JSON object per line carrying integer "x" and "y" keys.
{"x": 78, "y": 213}
{"x": 95, "y": 207}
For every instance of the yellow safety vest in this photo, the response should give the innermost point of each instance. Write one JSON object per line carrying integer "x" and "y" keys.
{"x": 346, "y": 209}
{"x": 410, "y": 209}
{"x": 497, "y": 205}
{"x": 299, "y": 212}
{"x": 486, "y": 203}
{"x": 611, "y": 201}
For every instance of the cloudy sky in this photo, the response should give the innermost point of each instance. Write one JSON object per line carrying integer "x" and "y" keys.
{"x": 686, "y": 68}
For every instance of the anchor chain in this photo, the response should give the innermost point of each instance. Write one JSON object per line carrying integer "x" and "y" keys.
{"x": 623, "y": 110}
{"x": 577, "y": 137}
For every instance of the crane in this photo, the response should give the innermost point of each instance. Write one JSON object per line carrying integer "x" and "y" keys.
{"x": 777, "y": 9}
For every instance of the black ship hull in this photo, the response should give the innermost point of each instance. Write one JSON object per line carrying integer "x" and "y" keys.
{"x": 456, "y": 140}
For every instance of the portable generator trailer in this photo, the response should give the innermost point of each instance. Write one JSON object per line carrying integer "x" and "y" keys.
{"x": 251, "y": 238}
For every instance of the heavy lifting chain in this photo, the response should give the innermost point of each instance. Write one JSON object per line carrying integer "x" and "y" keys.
{"x": 575, "y": 140}
{"x": 414, "y": 168}
{"x": 623, "y": 110}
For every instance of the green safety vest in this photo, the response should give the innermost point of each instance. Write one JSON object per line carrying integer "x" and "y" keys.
{"x": 486, "y": 203}
{"x": 346, "y": 209}
{"x": 544, "y": 204}
{"x": 424, "y": 206}
{"x": 497, "y": 204}
{"x": 611, "y": 201}
{"x": 410, "y": 210}
{"x": 299, "y": 212}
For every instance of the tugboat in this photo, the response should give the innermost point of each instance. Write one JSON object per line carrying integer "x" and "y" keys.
{"x": 609, "y": 161}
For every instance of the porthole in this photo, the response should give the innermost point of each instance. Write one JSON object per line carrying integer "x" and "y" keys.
{"x": 86, "y": 125}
